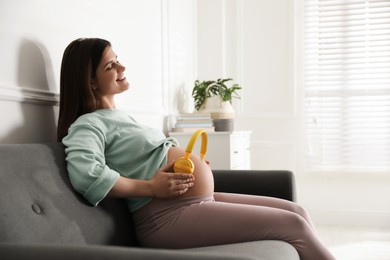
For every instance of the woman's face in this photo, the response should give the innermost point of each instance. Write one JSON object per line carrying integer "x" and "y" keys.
{"x": 110, "y": 78}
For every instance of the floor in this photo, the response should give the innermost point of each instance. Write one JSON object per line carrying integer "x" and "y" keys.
{"x": 356, "y": 243}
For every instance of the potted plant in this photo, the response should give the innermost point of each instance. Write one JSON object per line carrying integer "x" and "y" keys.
{"x": 215, "y": 97}
{"x": 207, "y": 89}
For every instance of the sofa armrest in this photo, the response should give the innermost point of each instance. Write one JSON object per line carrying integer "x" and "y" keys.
{"x": 99, "y": 252}
{"x": 273, "y": 183}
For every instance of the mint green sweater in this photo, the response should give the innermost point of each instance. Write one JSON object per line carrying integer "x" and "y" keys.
{"x": 108, "y": 143}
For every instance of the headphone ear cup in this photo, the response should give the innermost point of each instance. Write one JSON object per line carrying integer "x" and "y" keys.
{"x": 184, "y": 165}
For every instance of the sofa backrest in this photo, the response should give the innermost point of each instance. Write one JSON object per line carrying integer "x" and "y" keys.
{"x": 39, "y": 205}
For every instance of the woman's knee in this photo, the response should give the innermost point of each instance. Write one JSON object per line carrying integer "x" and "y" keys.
{"x": 297, "y": 228}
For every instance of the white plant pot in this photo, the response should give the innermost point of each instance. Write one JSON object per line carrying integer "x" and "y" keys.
{"x": 218, "y": 108}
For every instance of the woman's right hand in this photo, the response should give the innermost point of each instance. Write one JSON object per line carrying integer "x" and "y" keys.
{"x": 166, "y": 183}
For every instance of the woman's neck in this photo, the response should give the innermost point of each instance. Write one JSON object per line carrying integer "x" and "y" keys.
{"x": 106, "y": 103}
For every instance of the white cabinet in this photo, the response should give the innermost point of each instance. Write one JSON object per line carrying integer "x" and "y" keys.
{"x": 225, "y": 150}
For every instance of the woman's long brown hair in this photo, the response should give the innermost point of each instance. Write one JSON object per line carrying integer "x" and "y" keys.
{"x": 78, "y": 68}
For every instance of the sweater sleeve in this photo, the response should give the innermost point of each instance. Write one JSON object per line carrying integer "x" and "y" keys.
{"x": 86, "y": 164}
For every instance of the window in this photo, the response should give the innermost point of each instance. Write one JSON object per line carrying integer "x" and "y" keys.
{"x": 347, "y": 85}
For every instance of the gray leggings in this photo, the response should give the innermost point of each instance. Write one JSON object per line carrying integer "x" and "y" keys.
{"x": 227, "y": 218}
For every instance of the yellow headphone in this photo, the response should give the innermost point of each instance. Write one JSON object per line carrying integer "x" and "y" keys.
{"x": 184, "y": 164}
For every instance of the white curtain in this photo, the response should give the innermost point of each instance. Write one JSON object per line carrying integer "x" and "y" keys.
{"x": 347, "y": 85}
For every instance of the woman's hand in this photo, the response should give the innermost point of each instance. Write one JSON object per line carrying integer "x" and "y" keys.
{"x": 167, "y": 184}
{"x": 164, "y": 184}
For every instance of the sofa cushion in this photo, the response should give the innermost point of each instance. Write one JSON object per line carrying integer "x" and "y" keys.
{"x": 99, "y": 252}
{"x": 38, "y": 204}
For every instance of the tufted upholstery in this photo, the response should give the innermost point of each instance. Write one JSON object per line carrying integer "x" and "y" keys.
{"x": 42, "y": 207}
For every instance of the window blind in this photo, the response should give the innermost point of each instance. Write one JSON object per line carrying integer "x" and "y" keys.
{"x": 347, "y": 85}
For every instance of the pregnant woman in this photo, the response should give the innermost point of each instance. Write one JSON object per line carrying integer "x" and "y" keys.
{"x": 109, "y": 154}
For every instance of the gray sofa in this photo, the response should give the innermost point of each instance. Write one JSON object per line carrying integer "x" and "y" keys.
{"x": 41, "y": 217}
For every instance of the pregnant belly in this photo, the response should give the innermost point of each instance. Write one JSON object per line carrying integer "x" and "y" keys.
{"x": 204, "y": 181}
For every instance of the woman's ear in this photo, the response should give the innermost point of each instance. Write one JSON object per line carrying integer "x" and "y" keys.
{"x": 93, "y": 85}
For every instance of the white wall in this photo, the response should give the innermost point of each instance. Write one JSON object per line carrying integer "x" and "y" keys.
{"x": 253, "y": 42}
{"x": 153, "y": 38}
